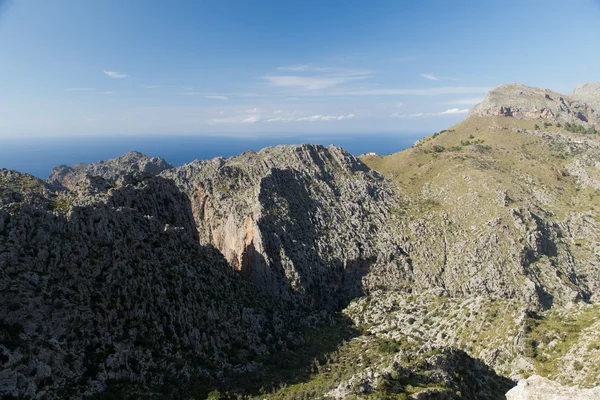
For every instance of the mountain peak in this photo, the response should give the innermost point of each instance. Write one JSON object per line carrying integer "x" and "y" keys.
{"x": 588, "y": 93}
{"x": 112, "y": 169}
{"x": 525, "y": 102}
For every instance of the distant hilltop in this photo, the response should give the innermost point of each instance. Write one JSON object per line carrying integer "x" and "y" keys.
{"x": 524, "y": 102}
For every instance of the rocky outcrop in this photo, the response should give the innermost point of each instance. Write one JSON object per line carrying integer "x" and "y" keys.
{"x": 524, "y": 102}
{"x": 129, "y": 163}
{"x": 299, "y": 221}
{"x": 588, "y": 93}
{"x": 536, "y": 387}
{"x": 108, "y": 283}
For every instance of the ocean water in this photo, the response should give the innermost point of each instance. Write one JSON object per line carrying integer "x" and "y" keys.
{"x": 38, "y": 156}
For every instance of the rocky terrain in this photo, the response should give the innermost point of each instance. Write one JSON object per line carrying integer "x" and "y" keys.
{"x": 108, "y": 284}
{"x": 450, "y": 270}
{"x": 524, "y": 102}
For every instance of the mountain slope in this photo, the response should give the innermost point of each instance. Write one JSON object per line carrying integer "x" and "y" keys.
{"x": 301, "y": 222}
{"x": 108, "y": 286}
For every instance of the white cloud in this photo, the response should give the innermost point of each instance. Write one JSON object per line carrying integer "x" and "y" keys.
{"x": 316, "y": 78}
{"x": 433, "y": 77}
{"x": 455, "y": 111}
{"x": 115, "y": 75}
{"x": 254, "y": 110}
{"x": 277, "y": 111}
{"x": 221, "y": 112}
{"x": 465, "y": 102}
{"x": 149, "y": 87}
{"x": 216, "y": 97}
{"x": 80, "y": 89}
{"x": 414, "y": 92}
{"x": 312, "y": 118}
{"x": 399, "y": 105}
{"x": 451, "y": 111}
{"x": 251, "y": 119}
{"x": 308, "y": 82}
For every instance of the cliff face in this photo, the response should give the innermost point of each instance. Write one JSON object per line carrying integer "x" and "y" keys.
{"x": 108, "y": 283}
{"x": 520, "y": 101}
{"x": 588, "y": 93}
{"x": 299, "y": 221}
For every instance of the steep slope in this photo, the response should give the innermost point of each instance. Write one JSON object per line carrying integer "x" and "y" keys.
{"x": 299, "y": 221}
{"x": 495, "y": 207}
{"x": 107, "y": 286}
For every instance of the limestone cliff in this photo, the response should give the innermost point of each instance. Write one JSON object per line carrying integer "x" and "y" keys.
{"x": 299, "y": 221}
{"x": 108, "y": 284}
{"x": 520, "y": 101}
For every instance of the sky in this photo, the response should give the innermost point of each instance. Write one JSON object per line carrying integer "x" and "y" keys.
{"x": 265, "y": 67}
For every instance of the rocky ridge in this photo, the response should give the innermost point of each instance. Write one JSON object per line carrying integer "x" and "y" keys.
{"x": 299, "y": 221}
{"x": 129, "y": 163}
{"x": 491, "y": 224}
{"x": 107, "y": 286}
{"x": 520, "y": 101}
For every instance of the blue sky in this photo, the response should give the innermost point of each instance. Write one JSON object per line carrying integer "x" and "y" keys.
{"x": 86, "y": 68}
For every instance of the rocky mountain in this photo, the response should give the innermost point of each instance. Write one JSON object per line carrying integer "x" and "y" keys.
{"x": 449, "y": 270}
{"x": 132, "y": 162}
{"x": 299, "y": 221}
{"x": 588, "y": 93}
{"x": 520, "y": 101}
{"x": 108, "y": 285}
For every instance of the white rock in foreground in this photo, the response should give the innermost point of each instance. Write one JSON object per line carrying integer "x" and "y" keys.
{"x": 538, "y": 388}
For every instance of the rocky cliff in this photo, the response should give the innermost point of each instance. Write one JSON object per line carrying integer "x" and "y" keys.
{"x": 520, "y": 101}
{"x": 299, "y": 221}
{"x": 108, "y": 285}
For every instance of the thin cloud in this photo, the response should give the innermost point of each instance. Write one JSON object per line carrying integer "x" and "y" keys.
{"x": 115, "y": 75}
{"x": 311, "y": 118}
{"x": 254, "y": 110}
{"x": 433, "y": 77}
{"x": 309, "y": 82}
{"x": 216, "y": 97}
{"x": 404, "y": 59}
{"x": 80, "y": 89}
{"x": 149, "y": 87}
{"x": 312, "y": 78}
{"x": 415, "y": 92}
{"x": 465, "y": 102}
{"x": 251, "y": 119}
{"x": 451, "y": 111}
{"x": 108, "y": 93}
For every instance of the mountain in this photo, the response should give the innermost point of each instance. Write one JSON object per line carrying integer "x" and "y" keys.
{"x": 520, "y": 101}
{"x": 588, "y": 93}
{"x": 449, "y": 270}
{"x": 503, "y": 205}
{"x": 108, "y": 284}
{"x": 129, "y": 163}
{"x": 301, "y": 222}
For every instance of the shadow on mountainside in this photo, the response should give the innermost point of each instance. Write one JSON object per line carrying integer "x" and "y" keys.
{"x": 291, "y": 235}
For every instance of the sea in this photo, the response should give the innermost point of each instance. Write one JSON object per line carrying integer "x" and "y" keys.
{"x": 37, "y": 155}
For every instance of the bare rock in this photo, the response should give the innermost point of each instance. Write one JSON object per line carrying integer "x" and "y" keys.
{"x": 536, "y": 387}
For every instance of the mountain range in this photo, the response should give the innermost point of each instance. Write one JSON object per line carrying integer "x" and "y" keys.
{"x": 452, "y": 269}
